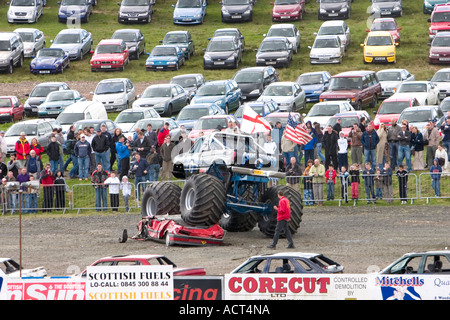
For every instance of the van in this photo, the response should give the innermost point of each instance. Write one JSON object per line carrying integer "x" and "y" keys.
{"x": 82, "y": 110}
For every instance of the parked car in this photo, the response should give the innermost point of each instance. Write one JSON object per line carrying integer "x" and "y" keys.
{"x": 135, "y": 11}
{"x": 288, "y": 95}
{"x": 41, "y": 129}
{"x": 288, "y": 262}
{"x": 387, "y": 8}
{"x": 157, "y": 124}
{"x": 428, "y": 5}
{"x": 334, "y": 9}
{"x": 222, "y": 52}
{"x": 164, "y": 98}
{"x": 419, "y": 116}
{"x": 321, "y": 112}
{"x": 190, "y": 82}
{"x": 209, "y": 124}
{"x": 225, "y": 93}
{"x": 424, "y": 91}
{"x": 78, "y": 10}
{"x": 348, "y": 119}
{"x": 57, "y": 101}
{"x": 33, "y": 40}
{"x": 50, "y": 60}
{"x": 233, "y": 32}
{"x": 429, "y": 262}
{"x": 262, "y": 108}
{"x": 314, "y": 84}
{"x": 326, "y": 49}
{"x": 134, "y": 39}
{"x": 128, "y": 118}
{"x": 116, "y": 94}
{"x": 165, "y": 57}
{"x": 282, "y": 117}
{"x": 192, "y": 112}
{"x": 10, "y": 268}
{"x": 11, "y": 51}
{"x": 391, "y": 79}
{"x": 189, "y": 11}
{"x": 439, "y": 19}
{"x": 360, "y": 88}
{"x": 379, "y": 46}
{"x": 11, "y": 109}
{"x": 391, "y": 108}
{"x": 253, "y": 80}
{"x": 288, "y": 30}
{"x": 77, "y": 42}
{"x": 25, "y": 11}
{"x": 181, "y": 39}
{"x": 237, "y": 10}
{"x": 288, "y": 10}
{"x": 440, "y": 49}
{"x": 275, "y": 51}
{"x": 110, "y": 54}
{"x": 441, "y": 80}
{"x": 38, "y": 95}
{"x": 96, "y": 124}
{"x": 445, "y": 105}
{"x": 386, "y": 24}
{"x": 337, "y": 28}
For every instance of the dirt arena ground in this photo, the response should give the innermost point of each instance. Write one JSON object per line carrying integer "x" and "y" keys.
{"x": 361, "y": 238}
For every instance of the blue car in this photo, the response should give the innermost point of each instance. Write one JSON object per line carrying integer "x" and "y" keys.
{"x": 225, "y": 93}
{"x": 192, "y": 112}
{"x": 75, "y": 9}
{"x": 57, "y": 101}
{"x": 50, "y": 60}
{"x": 165, "y": 57}
{"x": 189, "y": 11}
{"x": 314, "y": 83}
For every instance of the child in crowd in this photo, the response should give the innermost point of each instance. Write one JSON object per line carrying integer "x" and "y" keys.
{"x": 388, "y": 192}
{"x": 343, "y": 175}
{"x": 436, "y": 171}
{"x": 126, "y": 187}
{"x": 33, "y": 196}
{"x": 114, "y": 187}
{"x": 354, "y": 180}
{"x": 378, "y": 184}
{"x": 330, "y": 176}
{"x": 368, "y": 176}
{"x": 60, "y": 190}
{"x": 307, "y": 185}
{"x": 402, "y": 175}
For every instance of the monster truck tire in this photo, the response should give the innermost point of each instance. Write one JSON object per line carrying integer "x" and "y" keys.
{"x": 161, "y": 198}
{"x": 240, "y": 222}
{"x": 202, "y": 200}
{"x": 267, "y": 225}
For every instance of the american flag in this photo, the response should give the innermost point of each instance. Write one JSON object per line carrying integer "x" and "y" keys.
{"x": 295, "y": 132}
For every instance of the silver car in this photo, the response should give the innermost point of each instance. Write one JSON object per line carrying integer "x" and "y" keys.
{"x": 33, "y": 40}
{"x": 287, "y": 30}
{"x": 326, "y": 49}
{"x": 441, "y": 80}
{"x": 115, "y": 94}
{"x": 25, "y": 11}
{"x": 338, "y": 28}
{"x": 391, "y": 79}
{"x": 77, "y": 42}
{"x": 288, "y": 95}
{"x": 11, "y": 51}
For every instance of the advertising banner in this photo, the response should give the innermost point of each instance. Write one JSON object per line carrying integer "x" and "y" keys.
{"x": 3, "y": 289}
{"x": 129, "y": 283}
{"x": 45, "y": 289}
{"x": 198, "y": 288}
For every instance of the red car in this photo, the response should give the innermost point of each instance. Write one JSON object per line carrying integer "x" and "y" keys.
{"x": 439, "y": 20}
{"x": 386, "y": 24}
{"x": 11, "y": 109}
{"x": 440, "y": 49}
{"x": 110, "y": 54}
{"x": 288, "y": 10}
{"x": 391, "y": 108}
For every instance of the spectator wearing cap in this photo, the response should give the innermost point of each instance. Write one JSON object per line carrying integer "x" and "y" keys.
{"x": 82, "y": 151}
{"x": 22, "y": 148}
{"x": 101, "y": 147}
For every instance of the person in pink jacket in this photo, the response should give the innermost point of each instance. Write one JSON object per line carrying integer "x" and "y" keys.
{"x": 283, "y": 218}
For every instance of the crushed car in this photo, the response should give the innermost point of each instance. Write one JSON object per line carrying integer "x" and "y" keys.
{"x": 10, "y": 268}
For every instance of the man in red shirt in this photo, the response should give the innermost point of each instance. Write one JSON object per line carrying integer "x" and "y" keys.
{"x": 283, "y": 217}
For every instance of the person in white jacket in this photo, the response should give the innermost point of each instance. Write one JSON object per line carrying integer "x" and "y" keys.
{"x": 126, "y": 188}
{"x": 114, "y": 187}
{"x": 441, "y": 153}
{"x": 342, "y": 151}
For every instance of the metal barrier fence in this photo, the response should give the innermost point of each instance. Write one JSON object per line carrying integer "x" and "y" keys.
{"x": 437, "y": 188}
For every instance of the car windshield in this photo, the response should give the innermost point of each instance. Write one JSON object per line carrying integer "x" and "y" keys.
{"x": 70, "y": 118}
{"x": 125, "y": 36}
{"x": 393, "y": 107}
{"x": 129, "y": 117}
{"x": 379, "y": 41}
{"x": 135, "y": 2}
{"x": 219, "y": 45}
{"x": 231, "y": 33}
{"x": 22, "y": 3}
{"x": 413, "y": 87}
{"x": 60, "y": 96}
{"x": 156, "y": 124}
{"x": 345, "y": 83}
{"x": 330, "y": 30}
{"x": 415, "y": 116}
{"x": 441, "y": 42}
{"x": 43, "y": 91}
{"x": 109, "y": 48}
{"x": 252, "y": 266}
{"x": 27, "y": 36}
{"x": 281, "y": 32}
{"x": 163, "y": 51}
{"x": 235, "y": 2}
{"x": 156, "y": 92}
{"x": 211, "y": 90}
{"x": 445, "y": 105}
{"x": 43, "y": 53}
{"x": 376, "y": 1}
{"x": 441, "y": 17}
{"x": 389, "y": 76}
{"x": 320, "y": 110}
{"x": 278, "y": 90}
{"x": 175, "y": 38}
{"x": 109, "y": 87}
{"x": 67, "y": 38}
{"x": 5, "y": 103}
{"x": 331, "y": 1}
{"x": 184, "y": 82}
{"x": 74, "y": 2}
{"x": 441, "y": 76}
{"x": 16, "y": 129}
{"x": 5, "y": 46}
{"x": 307, "y": 79}
{"x": 267, "y": 46}
{"x": 325, "y": 43}
{"x": 285, "y": 2}
{"x": 189, "y": 4}
{"x": 248, "y": 77}
{"x": 211, "y": 123}
{"x": 346, "y": 122}
{"x": 383, "y": 26}
{"x": 192, "y": 113}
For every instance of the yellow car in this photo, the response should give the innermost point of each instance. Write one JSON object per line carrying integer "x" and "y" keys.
{"x": 379, "y": 46}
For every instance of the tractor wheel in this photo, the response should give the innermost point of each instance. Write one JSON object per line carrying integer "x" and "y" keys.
{"x": 240, "y": 222}
{"x": 268, "y": 224}
{"x": 161, "y": 198}
{"x": 202, "y": 200}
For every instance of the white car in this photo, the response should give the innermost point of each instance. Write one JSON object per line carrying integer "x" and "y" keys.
{"x": 326, "y": 49}
{"x": 33, "y": 40}
{"x": 25, "y": 11}
{"x": 287, "y": 30}
{"x": 336, "y": 28}
{"x": 115, "y": 94}
{"x": 321, "y": 112}
{"x": 128, "y": 118}
{"x": 10, "y": 268}
{"x": 441, "y": 80}
{"x": 424, "y": 91}
{"x": 391, "y": 79}
{"x": 288, "y": 95}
